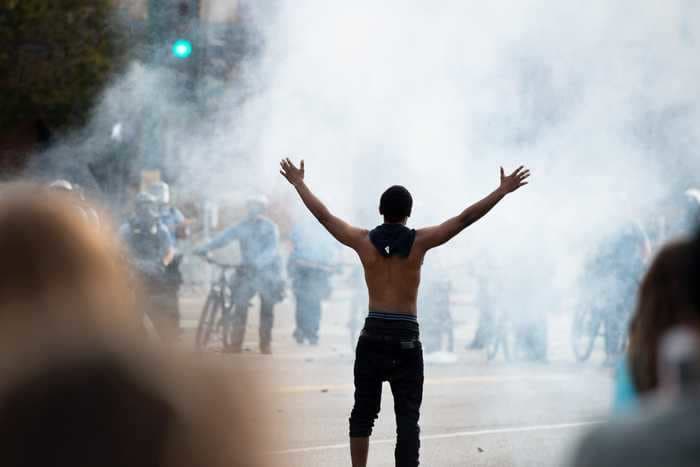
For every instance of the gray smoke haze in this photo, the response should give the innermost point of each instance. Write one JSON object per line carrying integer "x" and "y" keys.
{"x": 599, "y": 100}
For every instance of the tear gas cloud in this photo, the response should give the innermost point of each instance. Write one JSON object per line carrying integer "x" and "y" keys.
{"x": 599, "y": 100}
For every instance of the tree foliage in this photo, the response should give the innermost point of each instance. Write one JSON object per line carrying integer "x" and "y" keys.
{"x": 56, "y": 56}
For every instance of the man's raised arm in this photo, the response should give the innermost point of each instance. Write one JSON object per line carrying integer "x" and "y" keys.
{"x": 431, "y": 237}
{"x": 341, "y": 230}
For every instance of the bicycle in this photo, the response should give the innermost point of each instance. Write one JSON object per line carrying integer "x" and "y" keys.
{"x": 587, "y": 326}
{"x": 585, "y": 329}
{"x": 216, "y": 317}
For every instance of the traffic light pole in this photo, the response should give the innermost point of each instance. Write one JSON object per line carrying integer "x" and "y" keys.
{"x": 175, "y": 42}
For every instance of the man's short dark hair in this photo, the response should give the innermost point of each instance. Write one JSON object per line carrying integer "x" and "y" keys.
{"x": 395, "y": 204}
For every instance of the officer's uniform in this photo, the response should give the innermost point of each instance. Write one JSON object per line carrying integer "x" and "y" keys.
{"x": 616, "y": 273}
{"x": 172, "y": 218}
{"x": 149, "y": 242}
{"x": 260, "y": 273}
{"x": 310, "y": 269}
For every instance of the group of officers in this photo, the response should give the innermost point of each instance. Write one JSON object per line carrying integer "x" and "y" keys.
{"x": 154, "y": 228}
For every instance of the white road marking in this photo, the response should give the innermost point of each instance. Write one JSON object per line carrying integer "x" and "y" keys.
{"x": 457, "y": 434}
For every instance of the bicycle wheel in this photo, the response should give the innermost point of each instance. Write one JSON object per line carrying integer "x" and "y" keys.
{"x": 201, "y": 324}
{"x": 226, "y": 321}
{"x": 227, "y": 326}
{"x": 207, "y": 321}
{"x": 584, "y": 331}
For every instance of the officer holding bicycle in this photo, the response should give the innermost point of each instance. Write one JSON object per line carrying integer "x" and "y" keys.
{"x": 260, "y": 271}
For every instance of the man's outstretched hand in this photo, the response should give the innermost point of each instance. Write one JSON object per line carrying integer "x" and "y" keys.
{"x": 289, "y": 171}
{"x": 510, "y": 183}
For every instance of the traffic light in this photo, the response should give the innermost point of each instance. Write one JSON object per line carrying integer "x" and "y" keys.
{"x": 175, "y": 38}
{"x": 182, "y": 49}
{"x": 185, "y": 24}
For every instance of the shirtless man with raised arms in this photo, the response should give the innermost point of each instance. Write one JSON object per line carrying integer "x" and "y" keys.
{"x": 389, "y": 348}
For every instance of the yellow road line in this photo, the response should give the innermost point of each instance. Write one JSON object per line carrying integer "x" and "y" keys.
{"x": 491, "y": 379}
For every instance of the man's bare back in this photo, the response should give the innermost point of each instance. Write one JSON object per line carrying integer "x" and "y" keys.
{"x": 393, "y": 281}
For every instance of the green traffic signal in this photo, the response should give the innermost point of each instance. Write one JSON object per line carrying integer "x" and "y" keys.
{"x": 182, "y": 48}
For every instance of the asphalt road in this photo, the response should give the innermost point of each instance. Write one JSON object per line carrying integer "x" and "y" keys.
{"x": 474, "y": 412}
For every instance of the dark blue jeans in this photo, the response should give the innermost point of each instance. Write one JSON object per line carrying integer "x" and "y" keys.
{"x": 389, "y": 351}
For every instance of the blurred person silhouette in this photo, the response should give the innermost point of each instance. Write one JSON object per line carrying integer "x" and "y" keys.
{"x": 310, "y": 266}
{"x": 178, "y": 228}
{"x": 81, "y": 401}
{"x": 56, "y": 266}
{"x": 260, "y": 272}
{"x": 152, "y": 255}
{"x": 79, "y": 383}
{"x": 485, "y": 301}
{"x": 665, "y": 301}
{"x": 434, "y": 301}
{"x": 664, "y": 366}
{"x": 613, "y": 276}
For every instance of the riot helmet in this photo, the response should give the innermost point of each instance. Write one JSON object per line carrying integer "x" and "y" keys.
{"x": 161, "y": 192}
{"x": 146, "y": 207}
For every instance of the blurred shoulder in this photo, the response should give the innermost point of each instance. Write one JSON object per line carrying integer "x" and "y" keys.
{"x": 655, "y": 437}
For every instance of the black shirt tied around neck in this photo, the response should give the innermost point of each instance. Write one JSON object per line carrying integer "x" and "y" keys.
{"x": 393, "y": 239}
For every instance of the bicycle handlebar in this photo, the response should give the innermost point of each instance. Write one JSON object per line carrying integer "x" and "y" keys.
{"x": 219, "y": 264}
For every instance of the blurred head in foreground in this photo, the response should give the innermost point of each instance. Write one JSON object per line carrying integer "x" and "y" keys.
{"x": 55, "y": 266}
{"x": 666, "y": 300}
{"x": 73, "y": 403}
{"x": 79, "y": 386}
{"x": 667, "y": 323}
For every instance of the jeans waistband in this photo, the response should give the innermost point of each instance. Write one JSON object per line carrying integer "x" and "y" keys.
{"x": 405, "y": 343}
{"x": 391, "y": 331}
{"x": 391, "y": 316}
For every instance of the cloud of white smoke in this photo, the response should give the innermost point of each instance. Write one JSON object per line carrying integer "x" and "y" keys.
{"x": 599, "y": 100}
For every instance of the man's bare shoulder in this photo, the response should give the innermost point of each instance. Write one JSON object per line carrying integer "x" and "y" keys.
{"x": 363, "y": 245}
{"x": 424, "y": 236}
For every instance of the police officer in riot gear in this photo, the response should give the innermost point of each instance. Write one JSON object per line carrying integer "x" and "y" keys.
{"x": 177, "y": 226}
{"x": 310, "y": 268}
{"x": 260, "y": 271}
{"x": 153, "y": 255}
{"x": 171, "y": 216}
